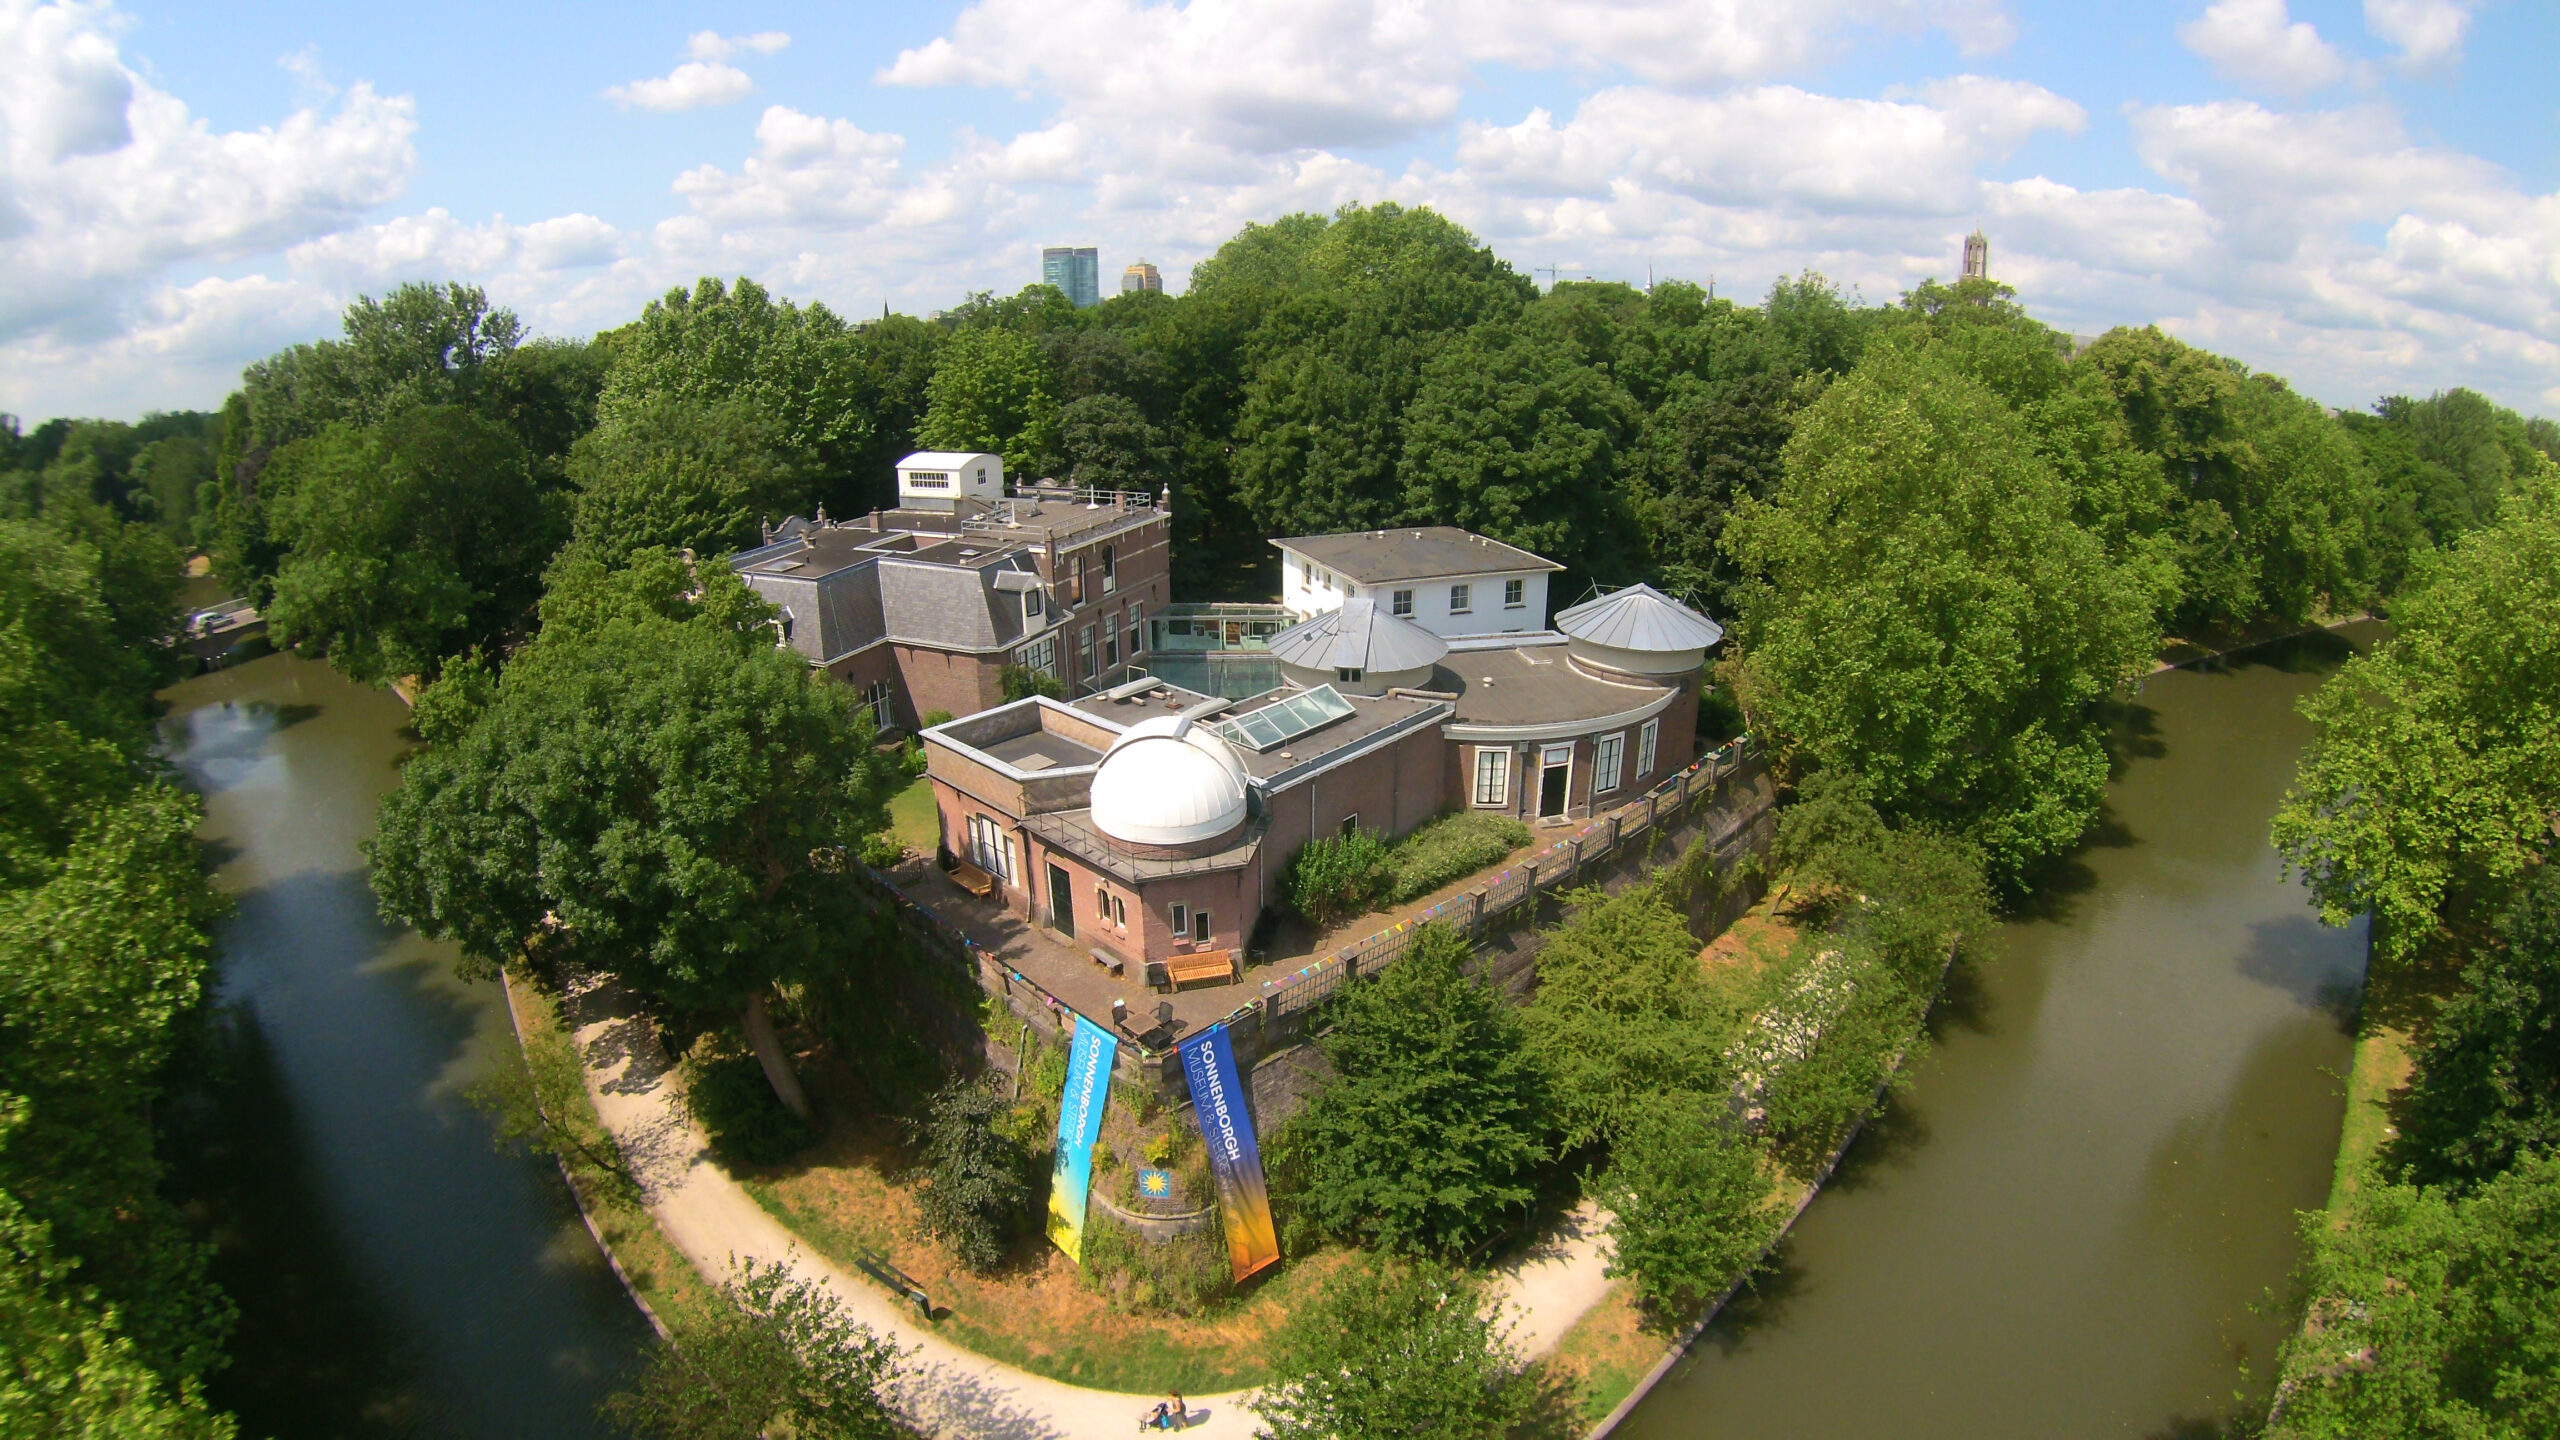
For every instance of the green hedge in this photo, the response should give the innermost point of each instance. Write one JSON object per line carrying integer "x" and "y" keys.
{"x": 1451, "y": 848}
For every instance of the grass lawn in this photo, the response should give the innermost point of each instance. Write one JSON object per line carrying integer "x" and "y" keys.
{"x": 912, "y": 821}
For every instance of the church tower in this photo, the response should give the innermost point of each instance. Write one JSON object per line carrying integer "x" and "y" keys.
{"x": 1977, "y": 256}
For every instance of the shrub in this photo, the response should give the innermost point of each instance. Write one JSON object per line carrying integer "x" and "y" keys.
{"x": 1139, "y": 1276}
{"x": 1688, "y": 1196}
{"x": 977, "y": 1189}
{"x": 1395, "y": 1349}
{"x": 1451, "y": 848}
{"x": 1425, "y": 1139}
{"x": 1337, "y": 877}
{"x": 1021, "y": 682}
{"x": 726, "y": 1092}
{"x": 775, "y": 1356}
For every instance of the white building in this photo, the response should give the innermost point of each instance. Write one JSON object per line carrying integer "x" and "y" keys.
{"x": 940, "y": 479}
{"x": 1439, "y": 577}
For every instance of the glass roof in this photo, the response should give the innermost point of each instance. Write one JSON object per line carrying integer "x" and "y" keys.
{"x": 1283, "y": 720}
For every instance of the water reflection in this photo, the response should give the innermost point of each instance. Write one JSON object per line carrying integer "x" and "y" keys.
{"x": 396, "y": 1276}
{"x": 2076, "y": 1219}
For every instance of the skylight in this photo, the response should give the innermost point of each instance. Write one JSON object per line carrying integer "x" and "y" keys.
{"x": 1282, "y": 721}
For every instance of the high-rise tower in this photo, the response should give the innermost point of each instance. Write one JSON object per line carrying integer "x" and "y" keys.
{"x": 1076, "y": 272}
{"x": 1141, "y": 277}
{"x": 1977, "y": 256}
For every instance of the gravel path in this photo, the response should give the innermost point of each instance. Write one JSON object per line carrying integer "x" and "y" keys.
{"x": 955, "y": 1394}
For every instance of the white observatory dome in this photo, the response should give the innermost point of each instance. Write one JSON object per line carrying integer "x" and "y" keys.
{"x": 1167, "y": 781}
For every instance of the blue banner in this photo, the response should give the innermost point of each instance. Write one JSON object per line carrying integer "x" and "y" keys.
{"x": 1079, "y": 1125}
{"x": 1235, "y": 1161}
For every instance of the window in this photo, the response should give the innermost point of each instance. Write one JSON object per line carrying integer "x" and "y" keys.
{"x": 1646, "y": 744}
{"x": 1110, "y": 570}
{"x": 879, "y": 696}
{"x": 1119, "y": 913}
{"x": 786, "y": 618}
{"x": 930, "y": 479}
{"x": 1493, "y": 775}
{"x": 1030, "y": 606}
{"x": 990, "y": 849}
{"x": 1110, "y": 644}
{"x": 1199, "y": 927}
{"x": 1459, "y": 601}
{"x": 1137, "y": 628}
{"x": 1040, "y": 655}
{"x": 1347, "y": 674}
{"x": 1181, "y": 921}
{"x": 1608, "y": 754}
{"x": 1515, "y": 593}
{"x": 1350, "y": 824}
{"x": 1400, "y": 602}
{"x": 1084, "y": 652}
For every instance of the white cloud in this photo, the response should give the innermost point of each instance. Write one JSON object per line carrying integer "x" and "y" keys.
{"x": 2427, "y": 32}
{"x": 706, "y": 79}
{"x": 107, "y": 181}
{"x": 2258, "y": 43}
{"x": 1265, "y": 77}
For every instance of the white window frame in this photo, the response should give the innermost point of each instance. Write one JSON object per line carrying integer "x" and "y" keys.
{"x": 1546, "y": 756}
{"x": 1084, "y": 653}
{"x": 1515, "y": 593}
{"x": 1110, "y": 569}
{"x": 1137, "y": 629}
{"x": 1493, "y": 777}
{"x": 1400, "y": 602}
{"x": 1608, "y": 761}
{"x": 1348, "y": 675}
{"x": 990, "y": 848}
{"x": 1181, "y": 918}
{"x": 1040, "y": 655}
{"x": 1201, "y": 931}
{"x": 1648, "y": 747}
{"x": 880, "y": 695}
{"x": 1462, "y": 599}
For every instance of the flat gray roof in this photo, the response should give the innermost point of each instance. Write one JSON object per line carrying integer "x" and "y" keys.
{"x": 1379, "y": 557}
{"x": 1534, "y": 685}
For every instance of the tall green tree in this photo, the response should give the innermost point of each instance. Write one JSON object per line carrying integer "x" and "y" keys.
{"x": 673, "y": 799}
{"x": 1514, "y": 434}
{"x": 779, "y": 1355}
{"x": 1425, "y": 1139}
{"x": 1924, "y": 611}
{"x": 680, "y": 474}
{"x": 1400, "y": 1349}
{"x": 1622, "y": 1014}
{"x": 2433, "y": 774}
{"x": 1687, "y": 1196}
{"x": 991, "y": 391}
{"x": 2431, "y": 1315}
{"x": 406, "y": 542}
{"x": 2487, "y": 1083}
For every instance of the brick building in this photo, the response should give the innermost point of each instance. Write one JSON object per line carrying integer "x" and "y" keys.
{"x": 1154, "y": 824}
{"x": 922, "y": 607}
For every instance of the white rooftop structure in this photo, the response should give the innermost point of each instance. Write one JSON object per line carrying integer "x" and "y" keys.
{"x": 1450, "y": 582}
{"x": 1358, "y": 645}
{"x": 1640, "y": 631}
{"x": 1168, "y": 781}
{"x": 940, "y": 479}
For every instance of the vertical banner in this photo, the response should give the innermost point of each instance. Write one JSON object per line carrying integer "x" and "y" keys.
{"x": 1235, "y": 1162}
{"x": 1079, "y": 1125}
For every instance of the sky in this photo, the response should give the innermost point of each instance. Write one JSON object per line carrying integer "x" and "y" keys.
{"x": 2360, "y": 195}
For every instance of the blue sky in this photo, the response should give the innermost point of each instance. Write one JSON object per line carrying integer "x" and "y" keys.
{"x": 2363, "y": 195}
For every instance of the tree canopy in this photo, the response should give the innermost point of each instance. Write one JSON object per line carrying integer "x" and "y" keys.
{"x": 1391, "y": 1348}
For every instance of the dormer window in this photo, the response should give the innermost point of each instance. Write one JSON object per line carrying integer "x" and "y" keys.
{"x": 1348, "y": 675}
{"x": 1030, "y": 606}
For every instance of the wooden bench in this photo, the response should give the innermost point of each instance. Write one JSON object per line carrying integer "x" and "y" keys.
{"x": 972, "y": 879}
{"x": 1108, "y": 961}
{"x": 1181, "y": 970}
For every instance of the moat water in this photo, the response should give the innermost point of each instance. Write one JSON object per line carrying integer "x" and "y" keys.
{"x": 396, "y": 1274}
{"x": 2080, "y": 1219}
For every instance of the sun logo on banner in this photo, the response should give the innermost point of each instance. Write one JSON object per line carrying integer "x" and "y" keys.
{"x": 1156, "y": 1184}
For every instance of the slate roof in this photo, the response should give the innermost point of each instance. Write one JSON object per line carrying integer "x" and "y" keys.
{"x": 1358, "y": 636}
{"x": 1640, "y": 618}
{"x": 1377, "y": 557}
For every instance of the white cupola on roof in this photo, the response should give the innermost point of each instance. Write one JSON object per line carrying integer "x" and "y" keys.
{"x": 1359, "y": 648}
{"x": 1639, "y": 631}
{"x": 1168, "y": 781}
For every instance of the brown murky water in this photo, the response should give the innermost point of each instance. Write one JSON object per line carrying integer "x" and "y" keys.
{"x": 2080, "y": 1219}
{"x": 396, "y": 1275}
